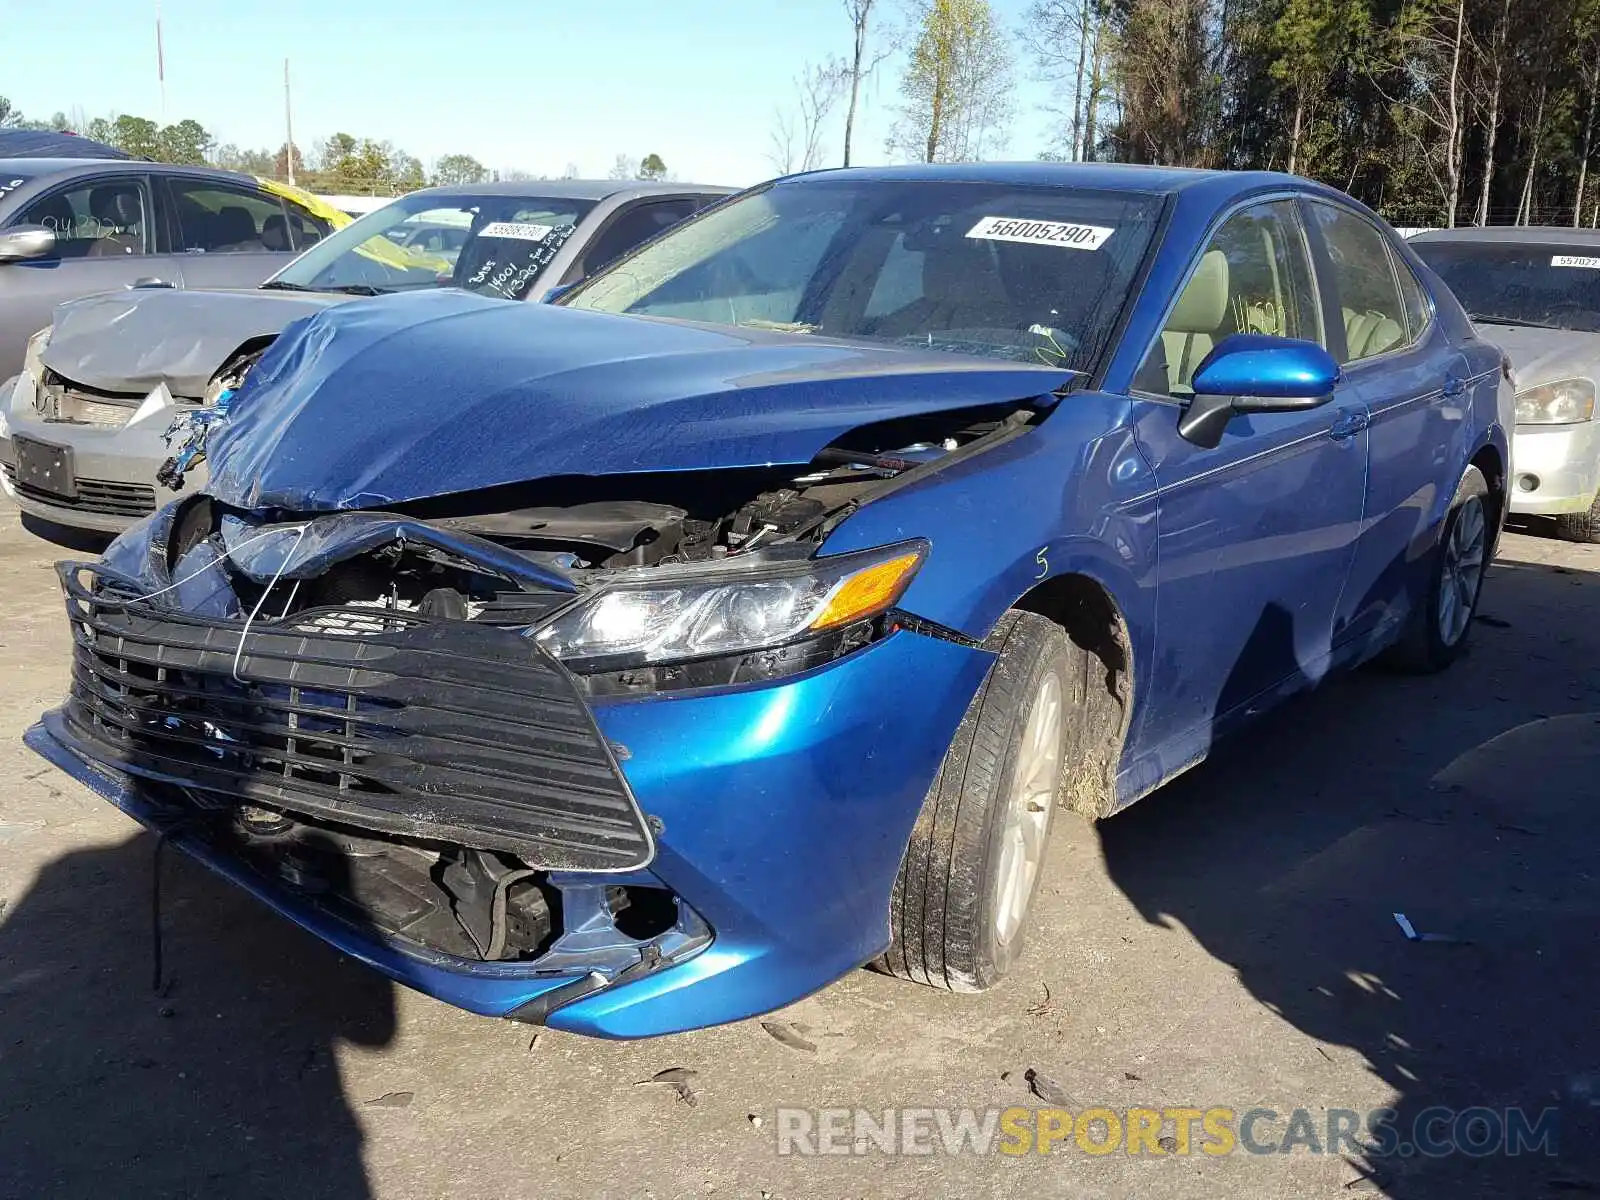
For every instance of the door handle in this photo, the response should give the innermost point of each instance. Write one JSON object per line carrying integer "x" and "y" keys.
{"x": 1454, "y": 386}
{"x": 1348, "y": 425}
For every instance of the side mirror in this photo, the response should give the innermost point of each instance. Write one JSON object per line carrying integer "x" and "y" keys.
{"x": 1255, "y": 373}
{"x": 22, "y": 242}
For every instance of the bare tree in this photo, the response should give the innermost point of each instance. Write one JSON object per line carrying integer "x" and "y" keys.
{"x": 861, "y": 64}
{"x": 797, "y": 132}
{"x": 1428, "y": 50}
{"x": 1494, "y": 87}
{"x": 1589, "y": 54}
{"x": 622, "y": 168}
{"x": 1065, "y": 38}
{"x": 956, "y": 91}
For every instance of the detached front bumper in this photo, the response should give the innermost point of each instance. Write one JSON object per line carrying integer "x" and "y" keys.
{"x": 780, "y": 812}
{"x": 113, "y": 460}
{"x": 1557, "y": 468}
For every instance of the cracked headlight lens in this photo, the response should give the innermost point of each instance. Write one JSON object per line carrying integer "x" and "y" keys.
{"x": 1565, "y": 402}
{"x": 734, "y": 607}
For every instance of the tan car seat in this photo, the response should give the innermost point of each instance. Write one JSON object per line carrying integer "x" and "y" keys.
{"x": 1197, "y": 320}
{"x": 1368, "y": 334}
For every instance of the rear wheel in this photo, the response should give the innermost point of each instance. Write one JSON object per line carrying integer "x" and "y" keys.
{"x": 1437, "y": 631}
{"x": 1581, "y": 527}
{"x": 974, "y": 861}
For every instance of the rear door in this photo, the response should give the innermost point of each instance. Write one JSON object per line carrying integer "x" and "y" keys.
{"x": 228, "y": 234}
{"x": 1413, "y": 382}
{"x": 106, "y": 239}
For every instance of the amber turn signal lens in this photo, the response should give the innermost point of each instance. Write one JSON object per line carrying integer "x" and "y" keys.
{"x": 868, "y": 592}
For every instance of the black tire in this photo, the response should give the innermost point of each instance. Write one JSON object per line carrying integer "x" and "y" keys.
{"x": 944, "y": 906}
{"x": 1423, "y": 647}
{"x": 1580, "y": 527}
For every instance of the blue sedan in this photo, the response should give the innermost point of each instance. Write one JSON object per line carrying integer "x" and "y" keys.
{"x": 651, "y": 659}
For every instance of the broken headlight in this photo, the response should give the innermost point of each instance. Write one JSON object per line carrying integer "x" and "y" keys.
{"x": 735, "y": 608}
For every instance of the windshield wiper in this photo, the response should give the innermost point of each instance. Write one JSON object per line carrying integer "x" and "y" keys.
{"x": 346, "y": 289}
{"x": 1486, "y": 319}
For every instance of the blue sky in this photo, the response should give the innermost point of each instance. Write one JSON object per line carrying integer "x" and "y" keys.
{"x": 515, "y": 83}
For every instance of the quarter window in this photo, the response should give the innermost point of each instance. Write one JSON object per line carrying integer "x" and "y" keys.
{"x": 1376, "y": 320}
{"x": 103, "y": 218}
{"x": 1254, "y": 276}
{"x": 1419, "y": 311}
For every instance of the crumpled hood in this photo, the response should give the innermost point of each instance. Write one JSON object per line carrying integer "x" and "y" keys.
{"x": 400, "y": 398}
{"x": 1546, "y": 355}
{"x": 132, "y": 340}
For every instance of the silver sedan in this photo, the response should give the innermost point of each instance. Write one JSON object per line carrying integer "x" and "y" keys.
{"x": 1535, "y": 292}
{"x": 84, "y": 428}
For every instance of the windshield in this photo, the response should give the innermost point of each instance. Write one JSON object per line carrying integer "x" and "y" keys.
{"x": 11, "y": 180}
{"x": 1521, "y": 283}
{"x": 1031, "y": 274}
{"x": 495, "y": 245}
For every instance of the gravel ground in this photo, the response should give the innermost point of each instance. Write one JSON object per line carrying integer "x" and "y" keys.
{"x": 1228, "y": 942}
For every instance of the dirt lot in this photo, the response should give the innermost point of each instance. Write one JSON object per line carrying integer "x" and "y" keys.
{"x": 1230, "y": 941}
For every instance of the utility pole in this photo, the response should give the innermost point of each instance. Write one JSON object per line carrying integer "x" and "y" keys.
{"x": 288, "y": 125}
{"x": 161, "y": 65}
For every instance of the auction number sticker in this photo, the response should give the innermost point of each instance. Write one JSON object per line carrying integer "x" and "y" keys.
{"x": 1576, "y": 260}
{"x": 1041, "y": 233}
{"x": 522, "y": 231}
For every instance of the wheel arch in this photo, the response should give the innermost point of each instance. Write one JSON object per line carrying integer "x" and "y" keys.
{"x": 1491, "y": 461}
{"x": 1087, "y": 610}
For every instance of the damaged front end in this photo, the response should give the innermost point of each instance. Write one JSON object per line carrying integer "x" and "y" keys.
{"x": 441, "y": 730}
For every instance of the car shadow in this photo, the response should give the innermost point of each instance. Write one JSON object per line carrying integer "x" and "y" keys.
{"x": 223, "y": 1084}
{"x": 1463, "y": 800}
{"x": 84, "y": 541}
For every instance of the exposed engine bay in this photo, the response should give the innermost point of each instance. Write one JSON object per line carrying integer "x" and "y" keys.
{"x": 368, "y": 709}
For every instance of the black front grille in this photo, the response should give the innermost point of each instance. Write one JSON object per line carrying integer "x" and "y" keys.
{"x": 94, "y": 495}
{"x": 448, "y": 731}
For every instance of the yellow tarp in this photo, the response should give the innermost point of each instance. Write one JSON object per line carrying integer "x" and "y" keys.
{"x": 378, "y": 247}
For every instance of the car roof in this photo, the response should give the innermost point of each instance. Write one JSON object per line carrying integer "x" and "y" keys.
{"x": 1543, "y": 235}
{"x": 41, "y": 168}
{"x": 1121, "y": 177}
{"x": 576, "y": 189}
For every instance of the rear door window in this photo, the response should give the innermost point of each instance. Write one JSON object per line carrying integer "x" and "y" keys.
{"x": 1375, "y": 315}
{"x": 97, "y": 218}
{"x": 218, "y": 218}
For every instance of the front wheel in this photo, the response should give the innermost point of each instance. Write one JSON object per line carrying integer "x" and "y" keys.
{"x": 1580, "y": 527}
{"x": 1437, "y": 631}
{"x": 973, "y": 864}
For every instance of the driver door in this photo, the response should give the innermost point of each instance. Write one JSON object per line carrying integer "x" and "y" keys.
{"x": 1254, "y": 537}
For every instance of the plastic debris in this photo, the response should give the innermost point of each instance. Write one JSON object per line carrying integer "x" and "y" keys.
{"x": 1410, "y": 930}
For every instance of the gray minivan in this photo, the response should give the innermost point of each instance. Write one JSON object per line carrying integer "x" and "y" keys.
{"x": 72, "y": 227}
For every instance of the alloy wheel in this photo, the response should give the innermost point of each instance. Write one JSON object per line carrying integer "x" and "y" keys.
{"x": 1461, "y": 571}
{"x": 1027, "y": 820}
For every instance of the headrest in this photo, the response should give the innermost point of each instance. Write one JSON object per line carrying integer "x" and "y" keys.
{"x": 1203, "y": 307}
{"x": 275, "y": 233}
{"x": 232, "y": 225}
{"x": 115, "y": 204}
